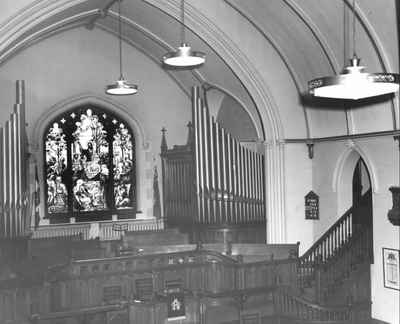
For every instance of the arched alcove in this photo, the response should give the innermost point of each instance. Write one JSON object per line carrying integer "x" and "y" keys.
{"x": 344, "y": 172}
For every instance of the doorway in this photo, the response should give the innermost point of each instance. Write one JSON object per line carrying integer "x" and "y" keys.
{"x": 362, "y": 197}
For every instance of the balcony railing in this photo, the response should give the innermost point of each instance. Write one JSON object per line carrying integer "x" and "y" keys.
{"x": 104, "y": 230}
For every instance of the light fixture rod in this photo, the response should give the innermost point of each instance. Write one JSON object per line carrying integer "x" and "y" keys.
{"x": 183, "y": 36}
{"x": 354, "y": 28}
{"x": 184, "y": 56}
{"x": 120, "y": 39}
{"x": 345, "y": 26}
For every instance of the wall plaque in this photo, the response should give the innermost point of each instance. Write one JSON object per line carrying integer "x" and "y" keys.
{"x": 311, "y": 201}
{"x": 391, "y": 268}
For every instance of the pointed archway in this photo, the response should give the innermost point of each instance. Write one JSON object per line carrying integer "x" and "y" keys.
{"x": 362, "y": 196}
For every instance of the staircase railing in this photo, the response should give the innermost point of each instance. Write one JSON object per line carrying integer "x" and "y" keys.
{"x": 324, "y": 249}
{"x": 302, "y": 311}
{"x": 331, "y": 274}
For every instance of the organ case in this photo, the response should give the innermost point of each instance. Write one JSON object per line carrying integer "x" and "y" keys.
{"x": 213, "y": 186}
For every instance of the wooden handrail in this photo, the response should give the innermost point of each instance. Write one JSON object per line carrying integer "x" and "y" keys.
{"x": 315, "y": 246}
{"x": 290, "y": 306}
{"x": 347, "y": 216}
{"x": 328, "y": 246}
{"x": 325, "y": 248}
{"x": 335, "y": 254}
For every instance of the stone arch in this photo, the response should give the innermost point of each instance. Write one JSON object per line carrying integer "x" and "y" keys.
{"x": 343, "y": 175}
{"x": 90, "y": 99}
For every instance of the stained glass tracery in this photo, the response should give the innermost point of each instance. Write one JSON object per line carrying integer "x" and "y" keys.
{"x": 56, "y": 164}
{"x": 122, "y": 163}
{"x": 89, "y": 163}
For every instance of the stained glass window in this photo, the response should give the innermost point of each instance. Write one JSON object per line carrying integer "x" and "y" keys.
{"x": 90, "y": 166}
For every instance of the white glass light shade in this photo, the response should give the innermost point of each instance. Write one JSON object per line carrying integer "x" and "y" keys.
{"x": 354, "y": 84}
{"x": 184, "y": 57}
{"x": 121, "y": 88}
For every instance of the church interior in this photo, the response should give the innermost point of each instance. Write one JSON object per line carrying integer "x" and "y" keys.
{"x": 199, "y": 161}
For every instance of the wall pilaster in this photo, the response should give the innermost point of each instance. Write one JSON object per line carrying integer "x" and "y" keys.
{"x": 275, "y": 191}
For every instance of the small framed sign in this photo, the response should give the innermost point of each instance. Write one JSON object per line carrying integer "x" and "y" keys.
{"x": 311, "y": 202}
{"x": 391, "y": 268}
{"x": 176, "y": 305}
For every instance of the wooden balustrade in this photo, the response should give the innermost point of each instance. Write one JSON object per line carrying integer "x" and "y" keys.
{"x": 303, "y": 311}
{"x": 332, "y": 273}
{"x": 333, "y": 257}
{"x": 267, "y": 274}
{"x": 80, "y": 284}
{"x": 325, "y": 248}
{"x": 16, "y": 305}
{"x": 105, "y": 229}
{"x": 205, "y": 274}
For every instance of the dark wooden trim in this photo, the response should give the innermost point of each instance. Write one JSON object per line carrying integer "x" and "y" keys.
{"x": 342, "y": 137}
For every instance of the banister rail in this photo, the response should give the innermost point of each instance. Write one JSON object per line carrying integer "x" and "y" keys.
{"x": 331, "y": 273}
{"x": 338, "y": 235}
{"x": 303, "y": 311}
{"x": 345, "y": 245}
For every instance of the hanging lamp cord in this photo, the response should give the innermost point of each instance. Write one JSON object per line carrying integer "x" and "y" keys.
{"x": 354, "y": 28}
{"x": 120, "y": 40}
{"x": 345, "y": 30}
{"x": 183, "y": 21}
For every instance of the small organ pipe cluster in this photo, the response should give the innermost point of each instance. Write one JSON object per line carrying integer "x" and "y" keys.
{"x": 13, "y": 170}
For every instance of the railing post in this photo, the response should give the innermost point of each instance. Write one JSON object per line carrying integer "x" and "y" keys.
{"x": 318, "y": 282}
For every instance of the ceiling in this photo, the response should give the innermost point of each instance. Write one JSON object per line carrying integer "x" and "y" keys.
{"x": 261, "y": 53}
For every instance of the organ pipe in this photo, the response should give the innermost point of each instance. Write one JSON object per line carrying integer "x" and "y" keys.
{"x": 13, "y": 170}
{"x": 213, "y": 179}
{"x": 232, "y": 175}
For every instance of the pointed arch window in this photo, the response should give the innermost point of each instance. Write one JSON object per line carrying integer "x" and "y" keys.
{"x": 89, "y": 166}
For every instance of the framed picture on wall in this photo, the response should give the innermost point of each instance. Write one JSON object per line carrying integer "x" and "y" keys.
{"x": 391, "y": 268}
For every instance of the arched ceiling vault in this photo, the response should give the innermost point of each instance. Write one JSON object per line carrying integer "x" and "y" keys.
{"x": 261, "y": 52}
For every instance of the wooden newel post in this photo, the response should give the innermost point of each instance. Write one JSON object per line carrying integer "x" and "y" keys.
{"x": 394, "y": 213}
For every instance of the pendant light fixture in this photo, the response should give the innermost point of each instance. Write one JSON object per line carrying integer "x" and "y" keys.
{"x": 354, "y": 83}
{"x": 121, "y": 87}
{"x": 184, "y": 57}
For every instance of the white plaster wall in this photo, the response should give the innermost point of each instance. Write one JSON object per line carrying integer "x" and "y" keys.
{"x": 266, "y": 62}
{"x": 298, "y": 182}
{"x": 382, "y": 158}
{"x": 79, "y": 62}
{"x": 10, "y": 8}
{"x": 214, "y": 100}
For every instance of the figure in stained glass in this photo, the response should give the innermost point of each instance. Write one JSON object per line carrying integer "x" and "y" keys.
{"x": 91, "y": 172}
{"x": 122, "y": 160}
{"x": 56, "y": 163}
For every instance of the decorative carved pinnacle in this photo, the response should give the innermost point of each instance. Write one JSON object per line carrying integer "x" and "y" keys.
{"x": 190, "y": 138}
{"x": 164, "y": 146}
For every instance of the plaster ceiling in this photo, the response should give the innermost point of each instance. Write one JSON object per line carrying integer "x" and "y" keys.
{"x": 278, "y": 45}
